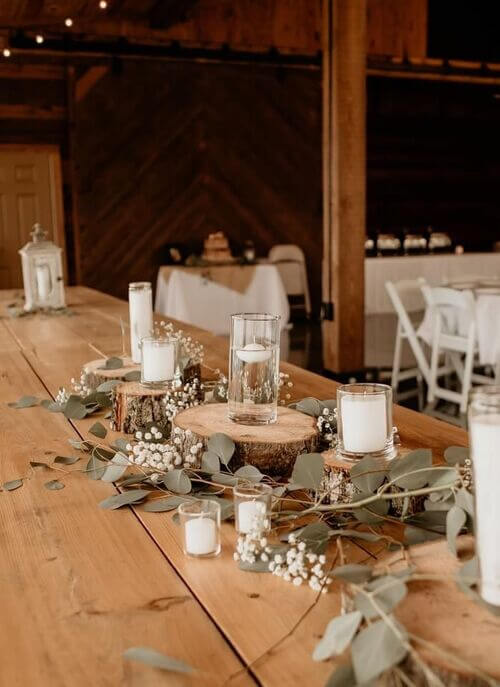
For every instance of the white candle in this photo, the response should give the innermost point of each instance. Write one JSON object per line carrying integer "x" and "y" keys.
{"x": 141, "y": 318}
{"x": 248, "y": 511}
{"x": 158, "y": 361}
{"x": 42, "y": 274}
{"x": 485, "y": 445}
{"x": 253, "y": 353}
{"x": 201, "y": 536}
{"x": 364, "y": 423}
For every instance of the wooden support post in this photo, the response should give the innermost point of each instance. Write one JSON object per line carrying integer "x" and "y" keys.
{"x": 344, "y": 143}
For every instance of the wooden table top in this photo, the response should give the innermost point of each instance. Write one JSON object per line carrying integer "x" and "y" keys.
{"x": 80, "y": 585}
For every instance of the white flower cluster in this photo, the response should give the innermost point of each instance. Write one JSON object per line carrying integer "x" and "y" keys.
{"x": 82, "y": 386}
{"x": 151, "y": 451}
{"x": 299, "y": 565}
{"x": 253, "y": 546}
{"x": 189, "y": 348}
{"x": 185, "y": 396}
{"x": 327, "y": 425}
{"x": 284, "y": 384}
{"x": 62, "y": 396}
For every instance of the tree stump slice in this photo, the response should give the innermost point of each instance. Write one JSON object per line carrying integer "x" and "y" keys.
{"x": 271, "y": 448}
{"x": 98, "y": 376}
{"x": 337, "y": 479}
{"x": 440, "y": 613}
{"x": 134, "y": 406}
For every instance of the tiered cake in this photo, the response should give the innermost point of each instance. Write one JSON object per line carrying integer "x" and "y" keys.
{"x": 216, "y": 248}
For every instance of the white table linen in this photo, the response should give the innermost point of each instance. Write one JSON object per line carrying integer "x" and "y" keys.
{"x": 186, "y": 295}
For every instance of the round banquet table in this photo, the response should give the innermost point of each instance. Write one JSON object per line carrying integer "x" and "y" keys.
{"x": 207, "y": 296}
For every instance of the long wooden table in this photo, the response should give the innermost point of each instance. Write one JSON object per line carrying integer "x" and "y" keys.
{"x": 79, "y": 585}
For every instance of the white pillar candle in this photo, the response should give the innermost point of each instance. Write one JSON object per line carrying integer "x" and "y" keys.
{"x": 201, "y": 536}
{"x": 485, "y": 444}
{"x": 141, "y": 318}
{"x": 248, "y": 511}
{"x": 158, "y": 361}
{"x": 364, "y": 423}
{"x": 254, "y": 353}
{"x": 42, "y": 274}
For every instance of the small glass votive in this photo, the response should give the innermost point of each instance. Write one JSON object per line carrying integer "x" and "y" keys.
{"x": 254, "y": 368}
{"x": 200, "y": 526}
{"x": 364, "y": 421}
{"x": 484, "y": 428}
{"x": 158, "y": 361}
{"x": 252, "y": 502}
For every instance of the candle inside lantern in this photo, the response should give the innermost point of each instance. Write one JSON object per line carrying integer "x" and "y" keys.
{"x": 42, "y": 275}
{"x": 141, "y": 315}
{"x": 158, "y": 360}
{"x": 248, "y": 512}
{"x": 254, "y": 353}
{"x": 201, "y": 536}
{"x": 485, "y": 443}
{"x": 364, "y": 423}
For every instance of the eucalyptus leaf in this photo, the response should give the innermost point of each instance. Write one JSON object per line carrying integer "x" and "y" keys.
{"x": 465, "y": 501}
{"x": 113, "y": 363}
{"x": 24, "y": 402}
{"x": 133, "y": 376}
{"x": 38, "y": 464}
{"x": 222, "y": 445}
{"x": 177, "y": 481}
{"x": 315, "y": 536}
{"x": 455, "y": 520}
{"x": 338, "y": 635}
{"x": 136, "y": 478}
{"x": 116, "y": 468}
{"x": 368, "y": 474}
{"x": 440, "y": 476}
{"x": 95, "y": 468}
{"x": 343, "y": 676}
{"x": 414, "y": 535}
{"x": 329, "y": 403}
{"x": 308, "y": 470}
{"x": 120, "y": 443}
{"x": 249, "y": 472}
{"x": 74, "y": 409}
{"x": 108, "y": 386}
{"x": 356, "y": 534}
{"x": 370, "y": 513}
{"x": 66, "y": 460}
{"x": 13, "y": 484}
{"x": 386, "y": 591}
{"x": 164, "y": 504}
{"x": 154, "y": 659}
{"x": 309, "y": 406}
{"x": 353, "y": 572}
{"x": 84, "y": 446}
{"x": 438, "y": 505}
{"x": 376, "y": 649}
{"x": 103, "y": 453}
{"x": 125, "y": 499}
{"x": 456, "y": 455}
{"x": 54, "y": 485}
{"x": 415, "y": 460}
{"x": 98, "y": 430}
{"x": 224, "y": 478}
{"x": 210, "y": 462}
{"x": 52, "y": 406}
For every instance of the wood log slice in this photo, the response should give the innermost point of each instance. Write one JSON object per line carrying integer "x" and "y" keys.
{"x": 271, "y": 448}
{"x": 442, "y": 615}
{"x": 134, "y": 406}
{"x": 98, "y": 375}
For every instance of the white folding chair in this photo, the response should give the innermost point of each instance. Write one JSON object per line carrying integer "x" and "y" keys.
{"x": 406, "y": 295}
{"x": 454, "y": 333}
{"x": 291, "y": 263}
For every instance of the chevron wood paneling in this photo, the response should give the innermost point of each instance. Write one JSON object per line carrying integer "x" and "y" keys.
{"x": 170, "y": 152}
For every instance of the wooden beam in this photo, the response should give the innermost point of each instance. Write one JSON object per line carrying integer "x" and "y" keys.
{"x": 88, "y": 80}
{"x": 343, "y": 336}
{"x": 31, "y": 112}
{"x": 72, "y": 169}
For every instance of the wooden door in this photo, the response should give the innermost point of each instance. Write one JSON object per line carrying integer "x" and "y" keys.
{"x": 30, "y": 191}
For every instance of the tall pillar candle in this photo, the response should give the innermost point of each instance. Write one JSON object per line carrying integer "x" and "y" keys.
{"x": 42, "y": 275}
{"x": 140, "y": 300}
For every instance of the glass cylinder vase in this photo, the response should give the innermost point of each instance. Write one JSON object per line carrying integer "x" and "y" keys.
{"x": 140, "y": 299}
{"x": 200, "y": 526}
{"x": 158, "y": 361}
{"x": 254, "y": 368}
{"x": 252, "y": 506}
{"x": 364, "y": 421}
{"x": 484, "y": 428}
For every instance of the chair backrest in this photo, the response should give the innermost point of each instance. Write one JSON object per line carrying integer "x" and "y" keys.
{"x": 455, "y": 310}
{"x": 286, "y": 251}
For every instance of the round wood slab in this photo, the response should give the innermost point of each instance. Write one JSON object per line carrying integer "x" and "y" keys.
{"x": 94, "y": 367}
{"x": 271, "y": 448}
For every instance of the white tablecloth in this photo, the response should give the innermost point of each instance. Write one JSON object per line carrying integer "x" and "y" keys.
{"x": 195, "y": 296}
{"x": 434, "y": 268}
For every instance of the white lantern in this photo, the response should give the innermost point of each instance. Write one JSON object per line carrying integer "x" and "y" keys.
{"x": 42, "y": 272}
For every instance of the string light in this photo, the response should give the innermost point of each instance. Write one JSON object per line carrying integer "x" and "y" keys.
{"x": 68, "y": 22}
{"x": 39, "y": 38}
{"x": 6, "y": 52}
{"x": 103, "y": 4}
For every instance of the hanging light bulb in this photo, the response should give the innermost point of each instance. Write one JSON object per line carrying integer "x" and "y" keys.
{"x": 39, "y": 38}
{"x": 68, "y": 22}
{"x": 103, "y": 4}
{"x": 6, "y": 52}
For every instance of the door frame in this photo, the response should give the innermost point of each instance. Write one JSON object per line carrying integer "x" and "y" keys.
{"x": 56, "y": 188}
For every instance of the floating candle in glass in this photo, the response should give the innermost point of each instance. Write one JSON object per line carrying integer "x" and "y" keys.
{"x": 200, "y": 526}
{"x": 364, "y": 419}
{"x": 140, "y": 301}
{"x": 484, "y": 427}
{"x": 159, "y": 361}
{"x": 252, "y": 505}
{"x": 254, "y": 368}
